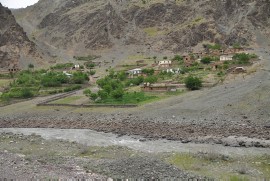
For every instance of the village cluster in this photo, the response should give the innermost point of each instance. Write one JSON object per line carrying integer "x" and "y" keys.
{"x": 152, "y": 74}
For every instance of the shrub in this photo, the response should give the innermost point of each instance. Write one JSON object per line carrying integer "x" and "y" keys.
{"x": 87, "y": 92}
{"x": 26, "y": 93}
{"x": 118, "y": 93}
{"x": 92, "y": 72}
{"x": 93, "y": 96}
{"x": 79, "y": 78}
{"x": 178, "y": 58}
{"x": 148, "y": 71}
{"x": 242, "y": 58}
{"x": 206, "y": 60}
{"x": 151, "y": 79}
{"x": 193, "y": 83}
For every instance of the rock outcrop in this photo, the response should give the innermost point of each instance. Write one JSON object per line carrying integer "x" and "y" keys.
{"x": 16, "y": 50}
{"x": 165, "y": 25}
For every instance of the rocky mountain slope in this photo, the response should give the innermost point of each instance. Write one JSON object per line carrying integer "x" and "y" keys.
{"x": 156, "y": 25}
{"x": 16, "y": 50}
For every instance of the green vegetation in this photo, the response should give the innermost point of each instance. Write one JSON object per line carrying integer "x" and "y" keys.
{"x": 86, "y": 58}
{"x": 243, "y": 58}
{"x": 213, "y": 46}
{"x": 178, "y": 58}
{"x": 206, "y": 60}
{"x": 28, "y": 83}
{"x": 90, "y": 65}
{"x": 62, "y": 66}
{"x": 113, "y": 90}
{"x": 193, "y": 83}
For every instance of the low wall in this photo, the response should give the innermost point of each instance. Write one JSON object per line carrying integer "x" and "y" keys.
{"x": 90, "y": 105}
{"x": 56, "y": 98}
{"x": 47, "y": 103}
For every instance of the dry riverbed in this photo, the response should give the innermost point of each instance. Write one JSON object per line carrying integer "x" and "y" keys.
{"x": 33, "y": 157}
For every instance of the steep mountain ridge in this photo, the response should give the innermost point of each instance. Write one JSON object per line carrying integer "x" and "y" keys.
{"x": 163, "y": 25}
{"x": 16, "y": 50}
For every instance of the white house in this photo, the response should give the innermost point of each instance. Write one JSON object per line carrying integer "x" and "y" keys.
{"x": 134, "y": 72}
{"x": 226, "y": 58}
{"x": 174, "y": 71}
{"x": 165, "y": 63}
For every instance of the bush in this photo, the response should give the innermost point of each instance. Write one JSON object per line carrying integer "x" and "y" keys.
{"x": 148, "y": 71}
{"x": 118, "y": 94}
{"x": 93, "y": 96}
{"x": 206, "y": 60}
{"x": 87, "y": 92}
{"x": 151, "y": 79}
{"x": 79, "y": 78}
{"x": 242, "y": 58}
{"x": 26, "y": 93}
{"x": 178, "y": 58}
{"x": 92, "y": 72}
{"x": 193, "y": 83}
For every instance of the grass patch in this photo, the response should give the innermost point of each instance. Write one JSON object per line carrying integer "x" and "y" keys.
{"x": 67, "y": 100}
{"x": 86, "y": 58}
{"x": 4, "y": 82}
{"x": 130, "y": 98}
{"x": 153, "y": 31}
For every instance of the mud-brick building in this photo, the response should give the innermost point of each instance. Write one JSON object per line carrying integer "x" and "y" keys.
{"x": 165, "y": 63}
{"x": 161, "y": 87}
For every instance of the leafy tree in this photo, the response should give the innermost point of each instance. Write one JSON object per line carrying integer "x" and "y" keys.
{"x": 103, "y": 94}
{"x": 118, "y": 93}
{"x": 26, "y": 93}
{"x": 148, "y": 71}
{"x": 93, "y": 96}
{"x": 121, "y": 76}
{"x": 79, "y": 78}
{"x": 206, "y": 60}
{"x": 151, "y": 79}
{"x": 193, "y": 83}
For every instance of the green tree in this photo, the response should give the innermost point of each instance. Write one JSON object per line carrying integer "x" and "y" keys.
{"x": 206, "y": 60}
{"x": 151, "y": 79}
{"x": 26, "y": 93}
{"x": 193, "y": 83}
{"x": 118, "y": 93}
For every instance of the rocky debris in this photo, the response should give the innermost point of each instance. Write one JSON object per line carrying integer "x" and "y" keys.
{"x": 16, "y": 166}
{"x": 229, "y": 133}
{"x": 143, "y": 167}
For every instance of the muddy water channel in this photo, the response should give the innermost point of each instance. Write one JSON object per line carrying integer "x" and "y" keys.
{"x": 93, "y": 138}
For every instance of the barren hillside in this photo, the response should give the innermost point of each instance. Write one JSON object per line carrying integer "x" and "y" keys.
{"x": 16, "y": 50}
{"x": 83, "y": 25}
